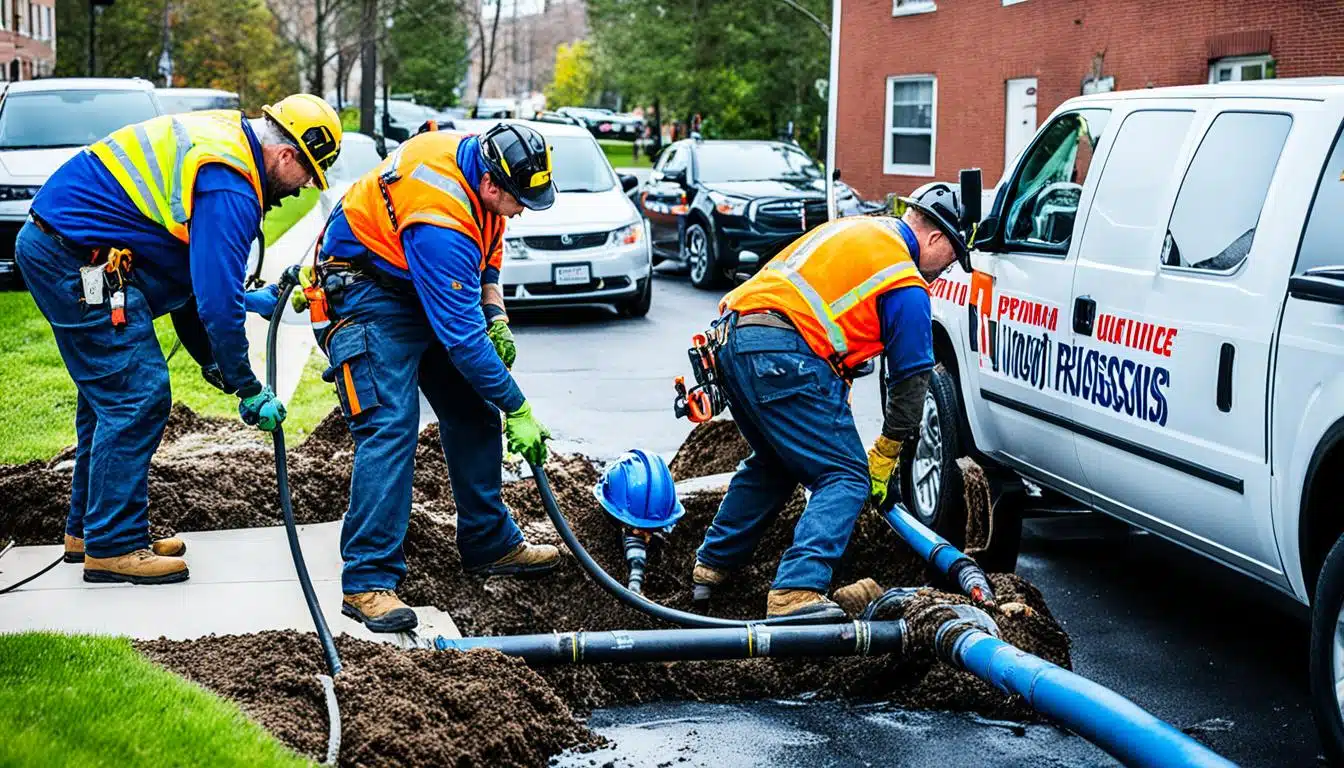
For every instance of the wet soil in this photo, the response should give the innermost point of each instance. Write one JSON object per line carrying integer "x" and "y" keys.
{"x": 712, "y": 447}
{"x": 398, "y": 708}
{"x": 216, "y": 475}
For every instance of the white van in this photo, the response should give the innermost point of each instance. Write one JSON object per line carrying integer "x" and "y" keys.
{"x": 1154, "y": 328}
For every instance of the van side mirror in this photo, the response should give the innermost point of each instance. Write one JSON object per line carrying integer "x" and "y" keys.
{"x": 970, "y": 198}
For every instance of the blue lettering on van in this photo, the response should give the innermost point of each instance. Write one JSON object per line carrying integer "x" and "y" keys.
{"x": 1125, "y": 386}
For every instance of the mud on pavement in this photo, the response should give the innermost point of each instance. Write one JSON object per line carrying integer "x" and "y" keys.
{"x": 216, "y": 475}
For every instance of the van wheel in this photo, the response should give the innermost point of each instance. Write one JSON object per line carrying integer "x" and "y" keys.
{"x": 1327, "y": 654}
{"x": 930, "y": 479}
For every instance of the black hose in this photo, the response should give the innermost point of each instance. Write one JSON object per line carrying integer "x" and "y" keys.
{"x": 616, "y": 588}
{"x": 286, "y": 507}
{"x": 18, "y": 584}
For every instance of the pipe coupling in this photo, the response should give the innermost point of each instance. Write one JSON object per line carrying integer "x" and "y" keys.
{"x": 966, "y": 618}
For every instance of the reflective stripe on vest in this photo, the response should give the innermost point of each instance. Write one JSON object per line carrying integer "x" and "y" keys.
{"x": 828, "y": 283}
{"x": 419, "y": 183}
{"x": 156, "y": 162}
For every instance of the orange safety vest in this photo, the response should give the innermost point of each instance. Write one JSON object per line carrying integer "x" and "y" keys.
{"x": 827, "y": 283}
{"x": 420, "y": 183}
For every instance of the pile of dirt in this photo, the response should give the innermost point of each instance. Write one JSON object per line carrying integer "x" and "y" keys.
{"x": 220, "y": 475}
{"x": 397, "y": 707}
{"x": 713, "y": 447}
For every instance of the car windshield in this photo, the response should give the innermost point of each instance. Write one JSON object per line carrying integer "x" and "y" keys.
{"x": 174, "y": 103}
{"x": 753, "y": 162}
{"x": 358, "y": 156}
{"x": 48, "y": 119}
{"x": 578, "y": 165}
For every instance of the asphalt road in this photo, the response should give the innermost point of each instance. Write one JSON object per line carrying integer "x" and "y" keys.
{"x": 1205, "y": 649}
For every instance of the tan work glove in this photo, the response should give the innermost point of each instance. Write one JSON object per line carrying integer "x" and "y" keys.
{"x": 882, "y": 460}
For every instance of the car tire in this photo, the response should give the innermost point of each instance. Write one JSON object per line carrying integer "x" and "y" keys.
{"x": 1327, "y": 654}
{"x": 639, "y": 305}
{"x": 701, "y": 258}
{"x": 930, "y": 478}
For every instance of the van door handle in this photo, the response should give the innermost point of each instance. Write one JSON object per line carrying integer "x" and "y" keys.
{"x": 1225, "y": 359}
{"x": 1084, "y": 314}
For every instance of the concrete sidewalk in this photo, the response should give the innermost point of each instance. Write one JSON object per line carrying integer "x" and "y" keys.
{"x": 242, "y": 581}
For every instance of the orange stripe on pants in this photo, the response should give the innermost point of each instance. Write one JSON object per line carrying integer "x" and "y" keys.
{"x": 350, "y": 395}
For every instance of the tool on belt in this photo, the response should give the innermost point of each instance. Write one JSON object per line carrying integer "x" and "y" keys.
{"x": 106, "y": 278}
{"x": 706, "y": 399}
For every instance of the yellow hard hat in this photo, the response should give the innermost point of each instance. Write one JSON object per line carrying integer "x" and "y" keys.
{"x": 316, "y": 127}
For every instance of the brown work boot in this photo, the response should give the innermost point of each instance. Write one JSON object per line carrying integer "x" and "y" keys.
{"x": 173, "y": 547}
{"x": 380, "y": 611}
{"x": 139, "y": 567}
{"x": 704, "y": 579}
{"x": 806, "y": 606}
{"x": 523, "y": 560}
{"x": 856, "y": 597}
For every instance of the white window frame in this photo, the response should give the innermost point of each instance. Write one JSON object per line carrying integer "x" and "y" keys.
{"x": 1237, "y": 62}
{"x": 1007, "y": 3}
{"x": 912, "y": 7}
{"x": 906, "y": 169}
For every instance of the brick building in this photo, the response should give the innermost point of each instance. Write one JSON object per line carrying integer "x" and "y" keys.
{"x": 927, "y": 87}
{"x": 529, "y": 33}
{"x": 27, "y": 39}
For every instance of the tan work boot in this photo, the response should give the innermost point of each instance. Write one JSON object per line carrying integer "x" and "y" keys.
{"x": 172, "y": 547}
{"x": 139, "y": 567}
{"x": 380, "y": 611}
{"x": 806, "y": 606}
{"x": 523, "y": 560}
{"x": 704, "y": 579}
{"x": 854, "y": 598}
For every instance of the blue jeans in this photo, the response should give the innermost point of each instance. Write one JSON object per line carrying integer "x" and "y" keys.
{"x": 794, "y": 412}
{"x": 123, "y": 401}
{"x": 382, "y": 352}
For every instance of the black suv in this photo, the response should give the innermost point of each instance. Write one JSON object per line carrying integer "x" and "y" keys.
{"x": 722, "y": 208}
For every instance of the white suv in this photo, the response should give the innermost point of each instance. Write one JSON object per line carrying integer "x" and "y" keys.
{"x": 43, "y": 123}
{"x": 1154, "y": 328}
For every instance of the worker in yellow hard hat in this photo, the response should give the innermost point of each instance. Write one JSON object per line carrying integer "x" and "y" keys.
{"x": 158, "y": 218}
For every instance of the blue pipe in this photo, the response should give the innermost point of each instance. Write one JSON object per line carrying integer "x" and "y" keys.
{"x": 938, "y": 552}
{"x": 1122, "y": 728}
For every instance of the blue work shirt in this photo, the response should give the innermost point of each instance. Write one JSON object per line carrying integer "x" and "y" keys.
{"x": 906, "y": 317}
{"x": 84, "y": 203}
{"x": 444, "y": 268}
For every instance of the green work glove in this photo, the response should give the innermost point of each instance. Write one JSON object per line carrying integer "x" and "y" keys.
{"x": 882, "y": 459}
{"x": 502, "y": 338}
{"x": 526, "y": 435}
{"x": 303, "y": 278}
{"x": 262, "y": 410}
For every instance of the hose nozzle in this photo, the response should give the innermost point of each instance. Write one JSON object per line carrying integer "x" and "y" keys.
{"x": 636, "y": 554}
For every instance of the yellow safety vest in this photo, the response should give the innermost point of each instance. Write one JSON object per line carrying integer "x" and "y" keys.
{"x": 156, "y": 161}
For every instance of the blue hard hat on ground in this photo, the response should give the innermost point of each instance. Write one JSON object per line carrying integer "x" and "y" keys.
{"x": 638, "y": 490}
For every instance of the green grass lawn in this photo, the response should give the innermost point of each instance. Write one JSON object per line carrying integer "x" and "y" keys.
{"x": 280, "y": 219}
{"x": 621, "y": 154}
{"x": 78, "y": 701}
{"x": 38, "y": 398}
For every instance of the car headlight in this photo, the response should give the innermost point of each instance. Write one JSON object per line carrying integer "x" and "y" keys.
{"x": 17, "y": 193}
{"x": 728, "y": 206}
{"x": 628, "y": 235}
{"x": 514, "y": 248}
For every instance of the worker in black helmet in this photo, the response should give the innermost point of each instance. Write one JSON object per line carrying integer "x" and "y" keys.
{"x": 409, "y": 265}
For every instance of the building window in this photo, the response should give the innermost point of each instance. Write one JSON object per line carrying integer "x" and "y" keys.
{"x": 1235, "y": 69}
{"x": 912, "y": 106}
{"x": 911, "y": 7}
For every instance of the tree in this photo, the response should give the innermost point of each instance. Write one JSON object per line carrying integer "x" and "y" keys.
{"x": 575, "y": 75}
{"x": 428, "y": 45}
{"x": 487, "y": 35}
{"x": 318, "y": 31}
{"x": 229, "y": 44}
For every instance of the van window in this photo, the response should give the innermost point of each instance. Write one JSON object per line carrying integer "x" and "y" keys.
{"x": 1216, "y": 213}
{"x": 1043, "y": 201}
{"x": 1325, "y": 226}
{"x": 1129, "y": 210}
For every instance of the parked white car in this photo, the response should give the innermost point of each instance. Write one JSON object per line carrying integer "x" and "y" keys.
{"x": 591, "y": 247}
{"x": 1155, "y": 330}
{"x": 43, "y": 123}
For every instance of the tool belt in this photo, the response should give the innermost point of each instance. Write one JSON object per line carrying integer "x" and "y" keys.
{"x": 104, "y": 275}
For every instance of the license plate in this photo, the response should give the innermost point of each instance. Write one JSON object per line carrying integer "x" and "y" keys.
{"x": 573, "y": 274}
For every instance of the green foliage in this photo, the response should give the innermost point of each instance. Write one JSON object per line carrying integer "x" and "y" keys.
{"x": 76, "y": 701}
{"x": 233, "y": 45}
{"x": 575, "y": 76}
{"x": 426, "y": 51}
{"x": 350, "y": 119}
{"x": 747, "y": 66}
